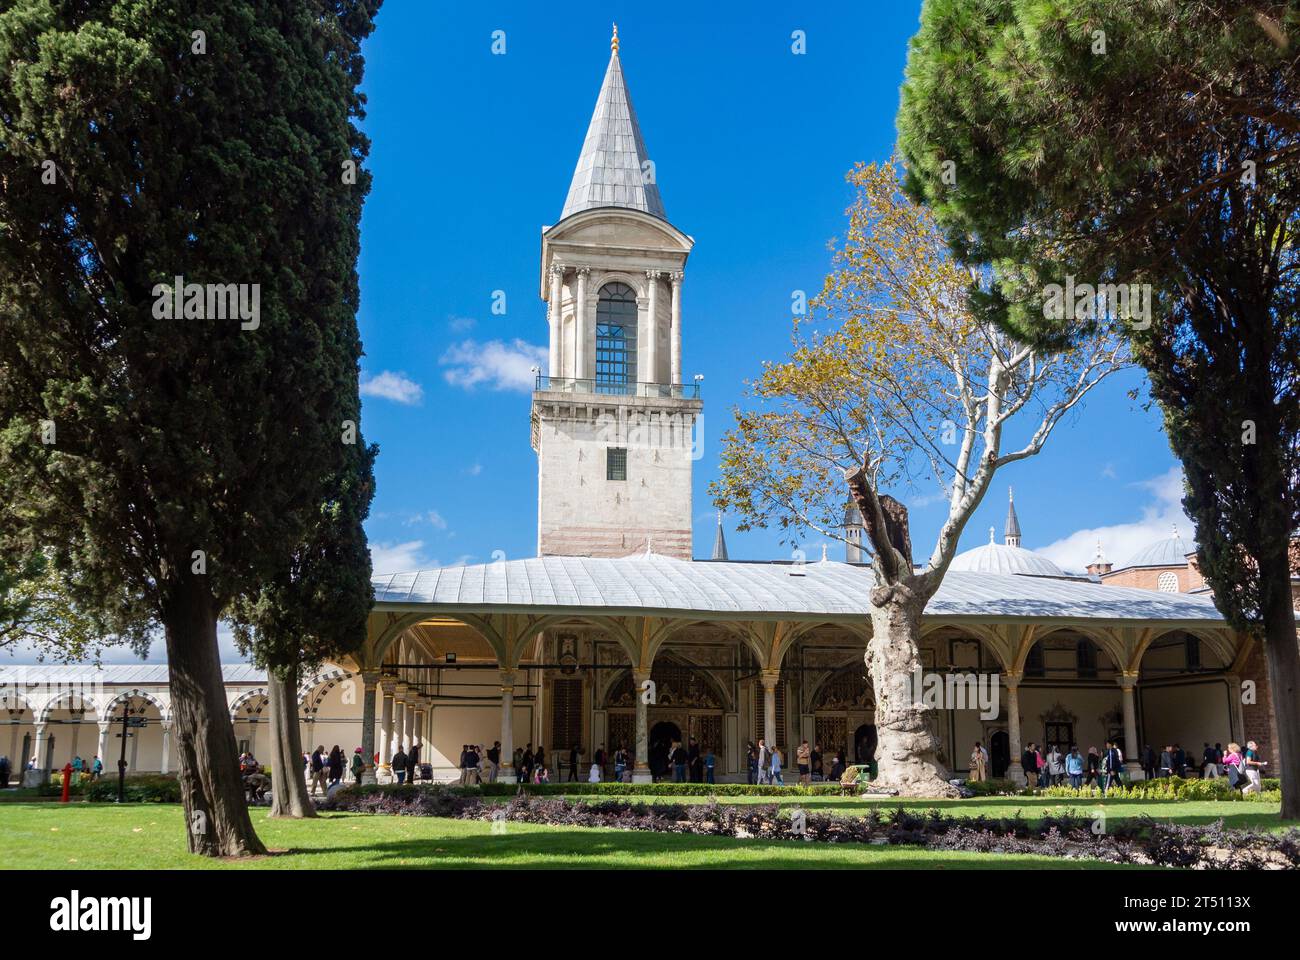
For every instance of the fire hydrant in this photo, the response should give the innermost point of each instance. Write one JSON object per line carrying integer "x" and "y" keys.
{"x": 67, "y": 781}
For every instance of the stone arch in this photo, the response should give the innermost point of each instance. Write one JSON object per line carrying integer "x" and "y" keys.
{"x": 817, "y": 698}
{"x": 11, "y": 698}
{"x": 1102, "y": 639}
{"x": 613, "y": 693}
{"x": 89, "y": 703}
{"x": 987, "y": 638}
{"x": 314, "y": 689}
{"x": 244, "y": 698}
{"x": 106, "y": 714}
{"x": 1214, "y": 639}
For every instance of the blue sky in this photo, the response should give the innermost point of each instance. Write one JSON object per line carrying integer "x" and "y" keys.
{"x": 472, "y": 156}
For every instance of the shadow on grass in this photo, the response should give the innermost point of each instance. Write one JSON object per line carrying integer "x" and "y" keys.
{"x": 540, "y": 848}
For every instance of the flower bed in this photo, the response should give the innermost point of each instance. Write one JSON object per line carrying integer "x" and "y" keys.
{"x": 1141, "y": 841}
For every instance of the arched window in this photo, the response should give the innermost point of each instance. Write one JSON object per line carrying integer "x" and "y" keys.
{"x": 1168, "y": 582}
{"x": 615, "y": 338}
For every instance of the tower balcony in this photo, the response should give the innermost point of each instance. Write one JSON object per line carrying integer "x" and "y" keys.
{"x": 667, "y": 391}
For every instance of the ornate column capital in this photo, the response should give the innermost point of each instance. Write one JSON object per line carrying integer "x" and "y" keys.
{"x": 1012, "y": 680}
{"x": 583, "y": 272}
{"x": 769, "y": 678}
{"x": 508, "y": 678}
{"x": 1127, "y": 681}
{"x": 653, "y": 274}
{"x": 676, "y": 277}
{"x": 557, "y": 270}
{"x": 370, "y": 678}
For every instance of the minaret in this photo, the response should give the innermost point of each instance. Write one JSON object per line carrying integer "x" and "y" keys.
{"x": 719, "y": 542}
{"x": 1012, "y": 532}
{"x": 613, "y": 424}
{"x": 854, "y": 532}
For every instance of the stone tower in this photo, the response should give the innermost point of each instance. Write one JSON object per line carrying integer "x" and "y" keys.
{"x": 614, "y": 427}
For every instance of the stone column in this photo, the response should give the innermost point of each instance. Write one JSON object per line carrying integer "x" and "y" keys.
{"x": 135, "y": 749}
{"x": 386, "y": 750}
{"x": 652, "y": 328}
{"x": 101, "y": 747}
{"x": 641, "y": 769}
{"x": 38, "y": 748}
{"x": 1132, "y": 749}
{"x": 20, "y": 763}
{"x": 769, "y": 679}
{"x": 580, "y": 327}
{"x": 1015, "y": 770}
{"x": 507, "y": 727}
{"x": 167, "y": 747}
{"x": 369, "y": 681}
{"x": 675, "y": 375}
{"x": 252, "y": 736}
{"x": 557, "y": 294}
{"x": 399, "y": 722}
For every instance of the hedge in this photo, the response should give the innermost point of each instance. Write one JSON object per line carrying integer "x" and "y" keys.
{"x": 1167, "y": 788}
{"x": 139, "y": 788}
{"x": 614, "y": 789}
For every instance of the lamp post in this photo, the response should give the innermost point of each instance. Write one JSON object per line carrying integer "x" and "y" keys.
{"x": 121, "y": 762}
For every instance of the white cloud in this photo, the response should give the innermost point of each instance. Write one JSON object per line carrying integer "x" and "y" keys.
{"x": 1120, "y": 541}
{"x": 397, "y": 387}
{"x": 474, "y": 470}
{"x": 399, "y": 557}
{"x": 500, "y": 365}
{"x": 461, "y": 324}
{"x": 432, "y": 517}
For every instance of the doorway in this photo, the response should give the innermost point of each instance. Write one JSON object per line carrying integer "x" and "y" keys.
{"x": 999, "y": 754}
{"x": 662, "y": 735}
{"x": 864, "y": 744}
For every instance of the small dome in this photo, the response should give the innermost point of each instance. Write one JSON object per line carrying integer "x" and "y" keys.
{"x": 1170, "y": 552}
{"x": 1000, "y": 558}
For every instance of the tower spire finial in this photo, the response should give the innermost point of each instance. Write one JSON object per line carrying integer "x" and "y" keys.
{"x": 613, "y": 41}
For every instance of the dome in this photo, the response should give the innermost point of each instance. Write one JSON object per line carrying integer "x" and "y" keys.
{"x": 1000, "y": 558}
{"x": 1170, "y": 552}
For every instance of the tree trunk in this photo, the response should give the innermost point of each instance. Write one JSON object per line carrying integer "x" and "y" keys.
{"x": 288, "y": 788}
{"x": 1283, "y": 654}
{"x": 216, "y": 815}
{"x": 907, "y": 749}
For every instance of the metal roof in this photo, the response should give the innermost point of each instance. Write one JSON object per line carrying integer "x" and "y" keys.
{"x": 610, "y": 170}
{"x": 1001, "y": 558}
{"x": 1170, "y": 552}
{"x": 117, "y": 673}
{"x": 653, "y": 584}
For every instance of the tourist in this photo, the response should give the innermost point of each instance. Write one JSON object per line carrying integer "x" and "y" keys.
{"x": 413, "y": 762}
{"x": 1040, "y": 764}
{"x": 1232, "y": 766}
{"x": 473, "y": 775}
{"x": 1055, "y": 766}
{"x": 358, "y": 766}
{"x": 1111, "y": 765}
{"x": 318, "y": 770}
{"x": 620, "y": 763}
{"x": 1093, "y": 775}
{"x": 1149, "y": 763}
{"x": 494, "y": 761}
{"x": 336, "y": 764}
{"x": 4, "y": 772}
{"x": 526, "y": 763}
{"x": 709, "y": 762}
{"x": 77, "y": 767}
{"x": 97, "y": 768}
{"x": 777, "y": 778}
{"x": 1213, "y": 768}
{"x": 977, "y": 769}
{"x": 764, "y": 762}
{"x": 399, "y": 763}
{"x": 593, "y": 776}
{"x": 601, "y": 758}
{"x": 1074, "y": 767}
{"x": 574, "y": 751}
{"x": 540, "y": 773}
{"x": 803, "y": 760}
{"x": 1254, "y": 769}
{"x": 679, "y": 757}
{"x": 695, "y": 761}
{"x": 751, "y": 762}
{"x": 1167, "y": 761}
{"x": 1180, "y": 760}
{"x": 1208, "y": 763}
{"x": 539, "y": 760}
{"x": 818, "y": 771}
{"x": 837, "y": 766}
{"x": 1029, "y": 761}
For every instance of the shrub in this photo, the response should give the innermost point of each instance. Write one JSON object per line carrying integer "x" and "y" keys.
{"x": 139, "y": 788}
{"x": 1165, "y": 788}
{"x": 992, "y": 788}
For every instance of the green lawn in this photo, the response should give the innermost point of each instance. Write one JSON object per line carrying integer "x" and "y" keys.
{"x": 1233, "y": 813}
{"x": 99, "y": 836}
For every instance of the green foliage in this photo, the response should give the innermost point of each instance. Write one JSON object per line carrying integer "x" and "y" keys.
{"x": 36, "y": 611}
{"x": 992, "y": 788}
{"x": 139, "y": 788}
{"x": 1142, "y": 142}
{"x": 1166, "y": 788}
{"x": 221, "y": 166}
{"x": 658, "y": 789}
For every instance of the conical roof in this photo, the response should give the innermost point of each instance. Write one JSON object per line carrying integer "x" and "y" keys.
{"x": 1013, "y": 522}
{"x": 719, "y": 542}
{"x": 613, "y": 166}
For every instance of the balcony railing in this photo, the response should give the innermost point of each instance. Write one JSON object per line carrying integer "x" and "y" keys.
{"x": 675, "y": 391}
